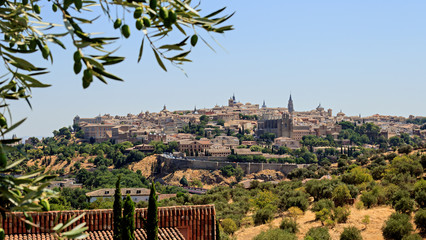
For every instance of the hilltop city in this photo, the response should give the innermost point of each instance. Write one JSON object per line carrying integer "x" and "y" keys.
{"x": 283, "y": 125}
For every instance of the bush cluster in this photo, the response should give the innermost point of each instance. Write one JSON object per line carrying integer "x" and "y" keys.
{"x": 397, "y": 226}
{"x": 318, "y": 233}
{"x": 351, "y": 233}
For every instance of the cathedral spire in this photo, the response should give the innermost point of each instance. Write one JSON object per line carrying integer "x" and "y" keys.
{"x": 290, "y": 105}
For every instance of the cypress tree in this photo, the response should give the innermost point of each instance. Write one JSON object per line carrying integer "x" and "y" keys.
{"x": 128, "y": 224}
{"x": 117, "y": 211}
{"x": 183, "y": 181}
{"x": 151, "y": 222}
{"x": 217, "y": 229}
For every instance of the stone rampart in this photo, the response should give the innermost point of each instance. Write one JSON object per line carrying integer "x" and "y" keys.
{"x": 169, "y": 164}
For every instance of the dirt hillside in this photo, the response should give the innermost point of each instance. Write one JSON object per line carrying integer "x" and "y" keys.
{"x": 208, "y": 178}
{"x": 267, "y": 175}
{"x": 378, "y": 215}
{"x": 145, "y": 165}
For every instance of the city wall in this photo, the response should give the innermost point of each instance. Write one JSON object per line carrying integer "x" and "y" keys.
{"x": 169, "y": 164}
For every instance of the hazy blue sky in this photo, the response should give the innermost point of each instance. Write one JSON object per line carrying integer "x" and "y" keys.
{"x": 362, "y": 57}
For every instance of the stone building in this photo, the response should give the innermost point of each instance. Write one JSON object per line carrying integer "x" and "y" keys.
{"x": 287, "y": 142}
{"x": 78, "y": 120}
{"x": 280, "y": 125}
{"x": 194, "y": 147}
{"x": 231, "y": 101}
{"x": 137, "y": 194}
{"x": 98, "y": 132}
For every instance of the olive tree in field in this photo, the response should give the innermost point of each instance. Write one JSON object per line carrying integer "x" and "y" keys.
{"x": 26, "y": 34}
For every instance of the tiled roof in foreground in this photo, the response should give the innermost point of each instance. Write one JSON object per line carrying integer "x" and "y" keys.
{"x": 163, "y": 234}
{"x": 196, "y": 222}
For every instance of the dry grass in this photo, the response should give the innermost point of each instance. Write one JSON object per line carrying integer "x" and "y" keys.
{"x": 208, "y": 178}
{"x": 145, "y": 165}
{"x": 378, "y": 215}
{"x": 61, "y": 165}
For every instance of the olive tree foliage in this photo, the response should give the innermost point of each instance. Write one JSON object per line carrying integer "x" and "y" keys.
{"x": 26, "y": 35}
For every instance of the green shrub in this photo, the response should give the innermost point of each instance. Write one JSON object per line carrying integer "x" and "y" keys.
{"x": 341, "y": 194}
{"x": 390, "y": 191}
{"x": 406, "y": 149}
{"x": 323, "y": 203}
{"x": 366, "y": 220}
{"x": 264, "y": 215}
{"x": 354, "y": 191}
{"x": 397, "y": 226}
{"x": 320, "y": 189}
{"x": 351, "y": 233}
{"x": 329, "y": 223}
{"x": 275, "y": 234}
{"x": 359, "y": 205}
{"x": 357, "y": 176}
{"x": 318, "y": 233}
{"x": 420, "y": 198}
{"x": 412, "y": 237}
{"x": 390, "y": 156}
{"x": 368, "y": 199}
{"x": 420, "y": 220}
{"x": 299, "y": 201}
{"x": 341, "y": 214}
{"x": 380, "y": 194}
{"x": 378, "y": 172}
{"x": 289, "y": 225}
{"x": 291, "y": 198}
{"x": 263, "y": 198}
{"x": 398, "y": 195}
{"x": 403, "y": 170}
{"x": 295, "y": 212}
{"x": 323, "y": 215}
{"x": 229, "y": 226}
{"x": 404, "y": 205}
{"x": 423, "y": 161}
{"x": 228, "y": 171}
{"x": 420, "y": 192}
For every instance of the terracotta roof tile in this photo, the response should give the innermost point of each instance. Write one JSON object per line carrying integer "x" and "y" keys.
{"x": 195, "y": 222}
{"x": 163, "y": 234}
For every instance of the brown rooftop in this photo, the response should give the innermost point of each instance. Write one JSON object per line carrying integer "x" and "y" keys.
{"x": 140, "y": 234}
{"x": 193, "y": 222}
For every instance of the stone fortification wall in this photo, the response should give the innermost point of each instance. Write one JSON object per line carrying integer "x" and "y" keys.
{"x": 169, "y": 164}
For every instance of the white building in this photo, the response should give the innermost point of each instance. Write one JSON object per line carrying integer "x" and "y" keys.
{"x": 137, "y": 194}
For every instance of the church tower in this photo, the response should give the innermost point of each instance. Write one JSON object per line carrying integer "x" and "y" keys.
{"x": 286, "y": 126}
{"x": 232, "y": 101}
{"x": 290, "y": 105}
